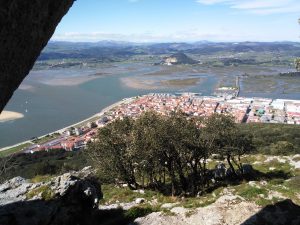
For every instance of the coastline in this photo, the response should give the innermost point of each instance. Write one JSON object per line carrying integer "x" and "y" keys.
{"x": 93, "y": 117}
{"x": 6, "y": 116}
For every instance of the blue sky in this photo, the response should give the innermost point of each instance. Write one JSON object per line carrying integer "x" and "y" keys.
{"x": 181, "y": 20}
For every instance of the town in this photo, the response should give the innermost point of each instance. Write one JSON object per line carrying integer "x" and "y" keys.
{"x": 244, "y": 110}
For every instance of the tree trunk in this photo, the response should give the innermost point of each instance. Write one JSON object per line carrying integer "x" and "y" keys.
{"x": 231, "y": 166}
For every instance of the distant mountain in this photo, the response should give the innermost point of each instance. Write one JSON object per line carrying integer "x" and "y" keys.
{"x": 116, "y": 51}
{"x": 179, "y": 58}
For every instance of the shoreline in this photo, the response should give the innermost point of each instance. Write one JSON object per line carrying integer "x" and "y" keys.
{"x": 102, "y": 112}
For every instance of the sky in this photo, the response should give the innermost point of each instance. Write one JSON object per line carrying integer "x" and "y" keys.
{"x": 180, "y": 21}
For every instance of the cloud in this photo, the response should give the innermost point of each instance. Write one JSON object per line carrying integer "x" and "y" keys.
{"x": 217, "y": 34}
{"x": 263, "y": 7}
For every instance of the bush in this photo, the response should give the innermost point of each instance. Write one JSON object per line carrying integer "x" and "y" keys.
{"x": 282, "y": 148}
{"x": 45, "y": 191}
{"x": 252, "y": 192}
{"x": 138, "y": 211}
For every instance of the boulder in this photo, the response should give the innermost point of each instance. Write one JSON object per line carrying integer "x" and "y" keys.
{"x": 75, "y": 201}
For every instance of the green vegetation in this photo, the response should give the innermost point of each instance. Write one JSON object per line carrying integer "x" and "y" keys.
{"x": 113, "y": 194}
{"x": 274, "y": 139}
{"x": 138, "y": 211}
{"x": 41, "y": 164}
{"x": 44, "y": 191}
{"x": 57, "y": 162}
{"x": 14, "y": 150}
{"x": 154, "y": 178}
{"x": 46, "y": 138}
{"x": 168, "y": 153}
{"x": 253, "y": 192}
{"x": 40, "y": 178}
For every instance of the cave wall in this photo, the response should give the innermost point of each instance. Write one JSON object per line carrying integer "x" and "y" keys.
{"x": 25, "y": 28}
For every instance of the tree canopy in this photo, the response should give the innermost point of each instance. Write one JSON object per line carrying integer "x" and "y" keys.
{"x": 168, "y": 153}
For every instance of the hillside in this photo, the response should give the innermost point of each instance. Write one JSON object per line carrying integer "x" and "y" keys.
{"x": 178, "y": 59}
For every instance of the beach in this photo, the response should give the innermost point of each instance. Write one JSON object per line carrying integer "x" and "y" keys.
{"x": 9, "y": 115}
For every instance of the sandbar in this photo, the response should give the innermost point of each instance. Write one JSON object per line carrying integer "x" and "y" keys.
{"x": 9, "y": 115}
{"x": 181, "y": 82}
{"x": 26, "y": 87}
{"x": 68, "y": 81}
{"x": 140, "y": 83}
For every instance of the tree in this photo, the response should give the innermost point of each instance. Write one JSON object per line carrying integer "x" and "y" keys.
{"x": 147, "y": 141}
{"x": 6, "y": 164}
{"x": 168, "y": 153}
{"x": 223, "y": 137}
{"x": 112, "y": 152}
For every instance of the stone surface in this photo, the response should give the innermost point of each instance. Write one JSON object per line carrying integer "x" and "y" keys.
{"x": 25, "y": 28}
{"x": 75, "y": 200}
{"x": 229, "y": 209}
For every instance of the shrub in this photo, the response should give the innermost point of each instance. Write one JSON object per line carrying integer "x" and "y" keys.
{"x": 45, "y": 191}
{"x": 252, "y": 192}
{"x": 138, "y": 211}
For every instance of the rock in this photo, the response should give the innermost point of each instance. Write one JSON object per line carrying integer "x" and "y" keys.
{"x": 14, "y": 190}
{"x": 139, "y": 191}
{"x": 168, "y": 205}
{"x": 275, "y": 194}
{"x": 284, "y": 212}
{"x": 247, "y": 169}
{"x": 139, "y": 200}
{"x": 228, "y": 209}
{"x": 215, "y": 214}
{"x": 62, "y": 183}
{"x": 263, "y": 183}
{"x": 229, "y": 198}
{"x": 252, "y": 183}
{"x": 25, "y": 28}
{"x": 76, "y": 202}
{"x": 220, "y": 171}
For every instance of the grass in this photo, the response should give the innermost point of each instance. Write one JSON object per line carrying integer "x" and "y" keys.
{"x": 284, "y": 179}
{"x": 46, "y": 138}
{"x": 168, "y": 212}
{"x": 14, "y": 150}
{"x": 113, "y": 194}
{"x": 41, "y": 178}
{"x": 45, "y": 192}
{"x": 252, "y": 193}
{"x": 139, "y": 211}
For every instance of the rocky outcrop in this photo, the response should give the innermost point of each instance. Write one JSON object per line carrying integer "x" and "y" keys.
{"x": 228, "y": 209}
{"x": 25, "y": 28}
{"x": 73, "y": 200}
